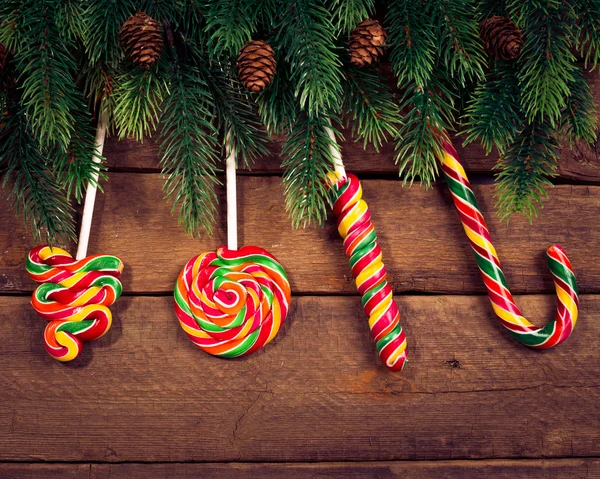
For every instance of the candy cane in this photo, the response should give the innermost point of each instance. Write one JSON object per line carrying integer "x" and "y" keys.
{"x": 232, "y": 302}
{"x": 361, "y": 246}
{"x": 502, "y": 301}
{"x": 75, "y": 293}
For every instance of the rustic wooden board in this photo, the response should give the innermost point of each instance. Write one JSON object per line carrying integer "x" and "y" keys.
{"x": 580, "y": 163}
{"x": 424, "y": 246}
{"x": 496, "y": 469}
{"x": 144, "y": 393}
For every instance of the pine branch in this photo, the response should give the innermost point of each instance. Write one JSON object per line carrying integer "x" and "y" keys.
{"x": 138, "y": 95}
{"x": 71, "y": 20}
{"x": 347, "y": 14}
{"x": 579, "y": 119}
{"x": 411, "y": 42}
{"x": 588, "y": 29}
{"x": 493, "y": 115}
{"x": 419, "y": 145}
{"x": 458, "y": 43}
{"x": 307, "y": 160}
{"x": 546, "y": 63}
{"x": 46, "y": 70}
{"x": 11, "y": 24}
{"x": 28, "y": 183}
{"x": 230, "y": 24}
{"x": 276, "y": 104}
{"x": 306, "y": 34}
{"x": 188, "y": 149}
{"x": 370, "y": 107}
{"x": 525, "y": 167}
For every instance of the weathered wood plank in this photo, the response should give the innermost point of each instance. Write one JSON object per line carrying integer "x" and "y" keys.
{"x": 496, "y": 469}
{"x": 317, "y": 393}
{"x": 424, "y": 246}
{"x": 580, "y": 163}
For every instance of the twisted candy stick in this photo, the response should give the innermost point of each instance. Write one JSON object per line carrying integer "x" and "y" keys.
{"x": 502, "y": 301}
{"x": 232, "y": 302}
{"x": 360, "y": 243}
{"x": 73, "y": 296}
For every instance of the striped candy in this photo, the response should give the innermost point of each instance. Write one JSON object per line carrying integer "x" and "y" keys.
{"x": 360, "y": 243}
{"x": 74, "y": 296}
{"x": 502, "y": 301}
{"x": 232, "y": 302}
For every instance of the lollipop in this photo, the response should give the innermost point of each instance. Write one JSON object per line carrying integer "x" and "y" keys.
{"x": 232, "y": 302}
{"x": 502, "y": 301}
{"x": 75, "y": 294}
{"x": 362, "y": 249}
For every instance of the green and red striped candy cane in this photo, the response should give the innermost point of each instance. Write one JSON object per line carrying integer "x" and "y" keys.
{"x": 502, "y": 301}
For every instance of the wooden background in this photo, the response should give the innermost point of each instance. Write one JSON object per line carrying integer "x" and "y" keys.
{"x": 144, "y": 402}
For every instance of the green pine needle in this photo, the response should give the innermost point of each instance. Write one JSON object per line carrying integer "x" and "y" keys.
{"x": 370, "y": 107}
{"x": 347, "y": 14}
{"x": 588, "y": 29}
{"x": 525, "y": 167}
{"x": 229, "y": 24}
{"x": 493, "y": 114}
{"x": 307, "y": 160}
{"x": 579, "y": 118}
{"x": 189, "y": 150}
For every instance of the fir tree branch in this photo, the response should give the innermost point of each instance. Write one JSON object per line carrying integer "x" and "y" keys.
{"x": 493, "y": 114}
{"x": 307, "y": 160}
{"x": 11, "y": 24}
{"x": 419, "y": 145}
{"x": 579, "y": 119}
{"x": 71, "y": 20}
{"x": 525, "y": 167}
{"x": 370, "y": 107}
{"x": 306, "y": 34}
{"x": 188, "y": 149}
{"x": 347, "y": 14}
{"x": 458, "y": 44}
{"x": 411, "y": 42}
{"x": 588, "y": 28}
{"x": 546, "y": 63}
{"x": 230, "y": 24}
{"x": 28, "y": 183}
{"x": 138, "y": 95}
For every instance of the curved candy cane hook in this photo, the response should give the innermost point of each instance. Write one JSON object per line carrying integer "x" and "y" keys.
{"x": 502, "y": 301}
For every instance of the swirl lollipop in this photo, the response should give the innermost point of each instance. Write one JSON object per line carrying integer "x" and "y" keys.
{"x": 75, "y": 294}
{"x": 232, "y": 302}
{"x": 363, "y": 251}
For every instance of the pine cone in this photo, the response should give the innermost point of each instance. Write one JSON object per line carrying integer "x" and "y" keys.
{"x": 501, "y": 37}
{"x": 3, "y": 57}
{"x": 141, "y": 38}
{"x": 366, "y": 43}
{"x": 256, "y": 65}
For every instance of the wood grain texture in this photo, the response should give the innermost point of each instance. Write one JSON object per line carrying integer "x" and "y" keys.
{"x": 492, "y": 469}
{"x": 423, "y": 243}
{"x": 318, "y": 392}
{"x": 582, "y": 163}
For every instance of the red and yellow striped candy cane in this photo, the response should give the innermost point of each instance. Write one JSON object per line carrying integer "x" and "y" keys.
{"x": 502, "y": 301}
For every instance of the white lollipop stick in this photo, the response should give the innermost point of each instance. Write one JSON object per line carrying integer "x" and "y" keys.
{"x": 90, "y": 193}
{"x": 231, "y": 194}
{"x": 338, "y": 164}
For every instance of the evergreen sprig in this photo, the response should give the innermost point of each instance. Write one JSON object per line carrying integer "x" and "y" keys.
{"x": 369, "y": 107}
{"x": 587, "y": 27}
{"x": 230, "y": 24}
{"x": 188, "y": 149}
{"x": 307, "y": 35}
{"x": 525, "y": 168}
{"x": 306, "y": 161}
{"x": 493, "y": 114}
{"x": 30, "y": 185}
{"x": 347, "y": 14}
{"x": 579, "y": 118}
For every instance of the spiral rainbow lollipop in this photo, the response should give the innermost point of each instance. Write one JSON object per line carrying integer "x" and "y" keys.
{"x": 74, "y": 297}
{"x": 232, "y": 302}
{"x": 360, "y": 243}
{"x": 502, "y": 301}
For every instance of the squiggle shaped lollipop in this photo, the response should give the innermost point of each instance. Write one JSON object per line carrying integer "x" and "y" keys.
{"x": 74, "y": 296}
{"x": 231, "y": 303}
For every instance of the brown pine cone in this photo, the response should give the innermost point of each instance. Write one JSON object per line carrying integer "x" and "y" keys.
{"x": 3, "y": 57}
{"x": 256, "y": 65}
{"x": 501, "y": 38}
{"x": 366, "y": 43}
{"x": 141, "y": 38}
